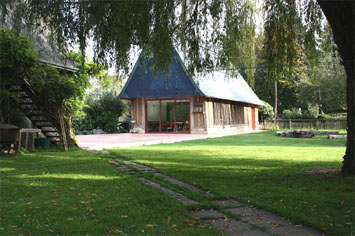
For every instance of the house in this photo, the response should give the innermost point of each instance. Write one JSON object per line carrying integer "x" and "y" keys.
{"x": 174, "y": 102}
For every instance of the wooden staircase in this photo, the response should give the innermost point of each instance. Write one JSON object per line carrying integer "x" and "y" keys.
{"x": 37, "y": 111}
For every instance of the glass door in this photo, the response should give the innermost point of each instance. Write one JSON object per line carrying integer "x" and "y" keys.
{"x": 167, "y": 109}
{"x": 182, "y": 115}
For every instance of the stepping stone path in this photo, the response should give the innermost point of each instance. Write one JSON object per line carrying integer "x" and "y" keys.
{"x": 245, "y": 220}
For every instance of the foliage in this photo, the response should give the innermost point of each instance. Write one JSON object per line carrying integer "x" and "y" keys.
{"x": 80, "y": 193}
{"x": 56, "y": 88}
{"x": 313, "y": 83}
{"x": 10, "y": 112}
{"x": 116, "y": 83}
{"x": 310, "y": 113}
{"x": 102, "y": 113}
{"x": 292, "y": 114}
{"x": 288, "y": 114}
{"x": 280, "y": 38}
{"x": 17, "y": 57}
{"x": 19, "y": 60}
{"x": 16, "y": 49}
{"x": 211, "y": 34}
{"x": 266, "y": 111}
{"x": 91, "y": 69}
{"x": 325, "y": 84}
{"x": 240, "y": 47}
{"x": 265, "y": 170}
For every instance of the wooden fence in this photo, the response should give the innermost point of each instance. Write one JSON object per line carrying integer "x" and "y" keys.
{"x": 304, "y": 124}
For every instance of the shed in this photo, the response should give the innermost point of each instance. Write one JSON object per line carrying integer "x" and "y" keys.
{"x": 175, "y": 102}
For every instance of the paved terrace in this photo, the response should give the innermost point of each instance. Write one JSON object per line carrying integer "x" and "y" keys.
{"x": 103, "y": 141}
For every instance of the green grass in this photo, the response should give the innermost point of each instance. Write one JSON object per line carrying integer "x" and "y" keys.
{"x": 80, "y": 193}
{"x": 265, "y": 170}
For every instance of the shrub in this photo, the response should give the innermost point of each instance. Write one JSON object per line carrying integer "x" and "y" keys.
{"x": 323, "y": 116}
{"x": 287, "y": 114}
{"x": 102, "y": 113}
{"x": 266, "y": 112}
{"x": 311, "y": 113}
{"x": 296, "y": 113}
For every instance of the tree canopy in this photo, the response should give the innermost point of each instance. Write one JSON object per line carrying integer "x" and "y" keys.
{"x": 212, "y": 34}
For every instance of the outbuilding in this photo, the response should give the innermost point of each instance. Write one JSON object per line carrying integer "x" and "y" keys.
{"x": 175, "y": 102}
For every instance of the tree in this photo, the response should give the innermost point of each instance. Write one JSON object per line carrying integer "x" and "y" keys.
{"x": 266, "y": 112}
{"x": 204, "y": 30}
{"x": 102, "y": 113}
{"x": 325, "y": 85}
{"x": 340, "y": 15}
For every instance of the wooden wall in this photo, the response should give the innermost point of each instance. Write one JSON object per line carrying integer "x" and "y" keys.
{"x": 137, "y": 109}
{"x": 223, "y": 113}
{"x": 198, "y": 112}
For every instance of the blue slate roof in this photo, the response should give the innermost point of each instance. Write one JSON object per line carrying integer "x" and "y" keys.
{"x": 144, "y": 82}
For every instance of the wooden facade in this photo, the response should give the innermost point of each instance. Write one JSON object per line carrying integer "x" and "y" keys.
{"x": 207, "y": 115}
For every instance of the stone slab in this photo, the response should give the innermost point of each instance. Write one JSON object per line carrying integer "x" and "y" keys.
{"x": 235, "y": 228}
{"x": 178, "y": 196}
{"x": 188, "y": 186}
{"x": 274, "y": 224}
{"x": 292, "y": 230}
{"x": 208, "y": 214}
{"x": 228, "y": 203}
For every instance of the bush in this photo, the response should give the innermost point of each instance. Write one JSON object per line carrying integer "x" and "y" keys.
{"x": 297, "y": 113}
{"x": 310, "y": 113}
{"x": 287, "y": 114}
{"x": 323, "y": 116}
{"x": 266, "y": 112}
{"x": 101, "y": 113}
{"x": 292, "y": 114}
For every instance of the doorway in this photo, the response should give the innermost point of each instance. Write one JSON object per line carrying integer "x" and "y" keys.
{"x": 253, "y": 118}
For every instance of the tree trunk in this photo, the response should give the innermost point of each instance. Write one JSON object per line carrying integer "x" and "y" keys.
{"x": 340, "y": 15}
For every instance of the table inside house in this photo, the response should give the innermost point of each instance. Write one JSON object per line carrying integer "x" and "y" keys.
{"x": 28, "y": 132}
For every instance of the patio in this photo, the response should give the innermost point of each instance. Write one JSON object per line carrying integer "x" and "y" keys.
{"x": 102, "y": 141}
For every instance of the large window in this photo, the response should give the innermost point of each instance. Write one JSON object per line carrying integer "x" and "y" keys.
{"x": 153, "y": 116}
{"x": 182, "y": 116}
{"x": 168, "y": 116}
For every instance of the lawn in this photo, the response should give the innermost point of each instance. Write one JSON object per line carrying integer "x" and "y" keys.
{"x": 80, "y": 193}
{"x": 265, "y": 170}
